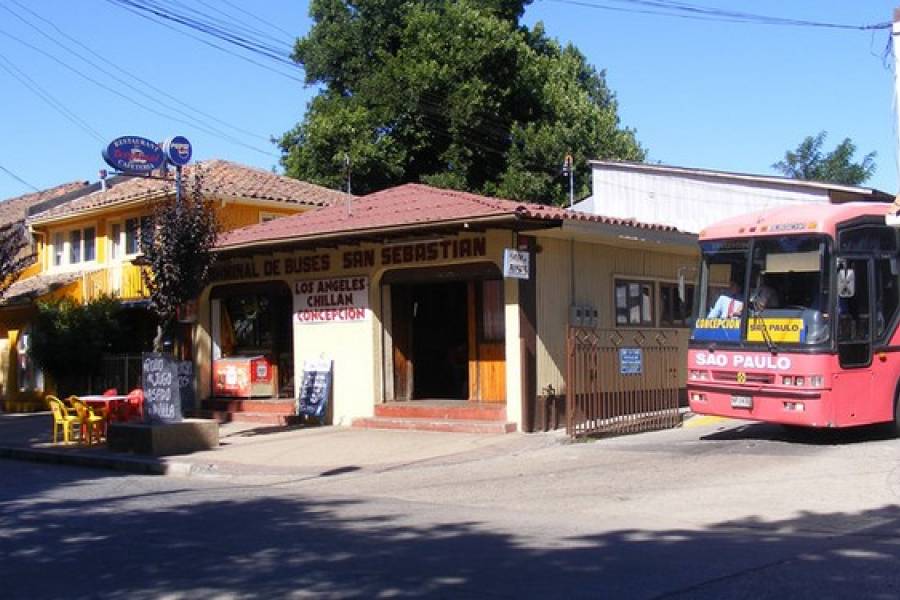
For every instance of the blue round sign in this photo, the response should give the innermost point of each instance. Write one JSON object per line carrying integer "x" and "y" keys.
{"x": 132, "y": 154}
{"x": 177, "y": 150}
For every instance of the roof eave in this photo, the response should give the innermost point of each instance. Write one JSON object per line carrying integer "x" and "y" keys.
{"x": 331, "y": 237}
{"x": 772, "y": 179}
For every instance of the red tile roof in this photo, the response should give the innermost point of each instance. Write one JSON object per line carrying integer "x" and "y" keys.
{"x": 406, "y": 207}
{"x": 221, "y": 178}
{"x": 14, "y": 209}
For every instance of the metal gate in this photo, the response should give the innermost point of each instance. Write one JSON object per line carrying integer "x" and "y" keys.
{"x": 621, "y": 380}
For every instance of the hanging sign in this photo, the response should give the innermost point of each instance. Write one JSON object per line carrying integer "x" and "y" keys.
{"x": 177, "y": 150}
{"x": 312, "y": 397}
{"x": 136, "y": 155}
{"x": 326, "y": 300}
{"x": 516, "y": 264}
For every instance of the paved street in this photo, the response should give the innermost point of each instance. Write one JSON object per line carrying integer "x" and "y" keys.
{"x": 716, "y": 509}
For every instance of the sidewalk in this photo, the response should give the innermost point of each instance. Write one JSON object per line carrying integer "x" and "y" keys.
{"x": 248, "y": 449}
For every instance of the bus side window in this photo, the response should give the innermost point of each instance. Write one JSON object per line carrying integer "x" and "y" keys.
{"x": 886, "y": 294}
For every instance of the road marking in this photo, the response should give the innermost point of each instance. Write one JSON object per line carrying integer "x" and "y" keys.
{"x": 700, "y": 420}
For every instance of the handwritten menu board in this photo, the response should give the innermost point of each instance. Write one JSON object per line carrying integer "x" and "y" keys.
{"x": 162, "y": 398}
{"x": 186, "y": 383}
{"x": 312, "y": 399}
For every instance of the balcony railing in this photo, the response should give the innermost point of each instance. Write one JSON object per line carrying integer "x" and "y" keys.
{"x": 122, "y": 281}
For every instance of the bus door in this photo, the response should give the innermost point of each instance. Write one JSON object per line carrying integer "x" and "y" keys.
{"x": 853, "y": 384}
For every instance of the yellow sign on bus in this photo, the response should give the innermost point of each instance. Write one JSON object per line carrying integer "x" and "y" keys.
{"x": 779, "y": 330}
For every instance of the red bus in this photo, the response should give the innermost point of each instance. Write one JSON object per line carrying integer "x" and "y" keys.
{"x": 796, "y": 318}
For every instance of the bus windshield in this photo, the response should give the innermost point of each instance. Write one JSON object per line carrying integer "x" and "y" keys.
{"x": 770, "y": 291}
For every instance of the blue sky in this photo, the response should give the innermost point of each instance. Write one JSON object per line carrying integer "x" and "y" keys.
{"x": 700, "y": 94}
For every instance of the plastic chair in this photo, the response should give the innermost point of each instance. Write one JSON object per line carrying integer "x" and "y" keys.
{"x": 111, "y": 392}
{"x": 91, "y": 423}
{"x": 133, "y": 407}
{"x": 69, "y": 424}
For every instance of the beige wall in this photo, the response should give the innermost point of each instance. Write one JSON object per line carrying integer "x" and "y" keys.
{"x": 357, "y": 347}
{"x": 585, "y": 272}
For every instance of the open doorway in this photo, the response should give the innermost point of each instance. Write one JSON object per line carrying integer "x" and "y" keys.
{"x": 444, "y": 335}
{"x": 439, "y": 340}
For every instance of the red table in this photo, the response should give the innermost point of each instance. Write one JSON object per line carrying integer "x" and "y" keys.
{"x": 108, "y": 404}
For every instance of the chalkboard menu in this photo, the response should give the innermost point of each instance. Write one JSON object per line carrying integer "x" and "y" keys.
{"x": 162, "y": 398}
{"x": 186, "y": 383}
{"x": 314, "y": 388}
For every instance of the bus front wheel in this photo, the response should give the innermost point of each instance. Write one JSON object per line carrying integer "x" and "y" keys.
{"x": 895, "y": 426}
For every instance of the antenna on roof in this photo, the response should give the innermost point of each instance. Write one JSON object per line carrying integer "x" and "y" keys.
{"x": 349, "y": 194}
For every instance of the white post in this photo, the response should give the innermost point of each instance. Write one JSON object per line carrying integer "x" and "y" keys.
{"x": 893, "y": 217}
{"x": 895, "y": 44}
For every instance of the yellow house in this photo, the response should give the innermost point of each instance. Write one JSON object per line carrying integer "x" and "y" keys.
{"x": 86, "y": 240}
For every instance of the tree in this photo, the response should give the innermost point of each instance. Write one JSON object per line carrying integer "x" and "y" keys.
{"x": 452, "y": 93}
{"x": 179, "y": 253}
{"x": 809, "y": 162}
{"x": 69, "y": 339}
{"x": 14, "y": 256}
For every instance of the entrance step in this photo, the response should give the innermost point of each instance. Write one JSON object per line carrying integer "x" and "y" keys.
{"x": 435, "y": 424}
{"x": 264, "y": 411}
{"x": 447, "y": 410}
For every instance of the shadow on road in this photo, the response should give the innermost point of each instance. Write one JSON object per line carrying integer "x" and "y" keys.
{"x": 253, "y": 543}
{"x": 802, "y": 435}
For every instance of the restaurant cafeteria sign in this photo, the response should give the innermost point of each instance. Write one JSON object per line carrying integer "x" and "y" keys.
{"x": 327, "y": 300}
{"x": 135, "y": 155}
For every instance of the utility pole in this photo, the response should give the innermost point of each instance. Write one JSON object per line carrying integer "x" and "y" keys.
{"x": 349, "y": 194}
{"x": 893, "y": 217}
{"x": 569, "y": 169}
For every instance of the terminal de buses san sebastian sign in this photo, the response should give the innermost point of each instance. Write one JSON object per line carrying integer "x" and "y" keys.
{"x": 344, "y": 298}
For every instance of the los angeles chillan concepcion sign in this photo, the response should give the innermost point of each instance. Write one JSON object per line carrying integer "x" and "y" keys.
{"x": 326, "y": 300}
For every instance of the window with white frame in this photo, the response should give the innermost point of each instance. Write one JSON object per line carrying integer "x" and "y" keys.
{"x": 74, "y": 247}
{"x": 128, "y": 240}
{"x": 58, "y": 249}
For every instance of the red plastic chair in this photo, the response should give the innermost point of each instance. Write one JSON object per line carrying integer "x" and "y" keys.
{"x": 111, "y": 392}
{"x": 135, "y": 403}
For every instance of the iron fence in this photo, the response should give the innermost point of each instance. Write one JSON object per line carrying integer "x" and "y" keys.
{"x": 621, "y": 380}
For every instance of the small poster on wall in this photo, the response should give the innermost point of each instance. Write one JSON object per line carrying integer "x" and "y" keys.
{"x": 315, "y": 386}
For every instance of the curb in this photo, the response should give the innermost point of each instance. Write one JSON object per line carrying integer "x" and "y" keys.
{"x": 139, "y": 466}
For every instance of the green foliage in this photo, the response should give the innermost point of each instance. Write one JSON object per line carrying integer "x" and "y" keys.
{"x": 809, "y": 162}
{"x": 451, "y": 93}
{"x": 179, "y": 253}
{"x": 69, "y": 338}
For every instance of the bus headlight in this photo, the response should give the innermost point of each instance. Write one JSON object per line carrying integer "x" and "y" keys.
{"x": 816, "y": 381}
{"x": 787, "y": 380}
{"x": 697, "y": 375}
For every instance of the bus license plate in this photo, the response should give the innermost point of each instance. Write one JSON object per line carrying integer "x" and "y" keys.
{"x": 742, "y": 402}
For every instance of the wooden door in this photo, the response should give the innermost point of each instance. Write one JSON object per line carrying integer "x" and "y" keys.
{"x": 487, "y": 342}
{"x": 401, "y": 337}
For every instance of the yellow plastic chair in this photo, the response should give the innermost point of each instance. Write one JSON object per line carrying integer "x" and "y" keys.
{"x": 92, "y": 425}
{"x": 62, "y": 420}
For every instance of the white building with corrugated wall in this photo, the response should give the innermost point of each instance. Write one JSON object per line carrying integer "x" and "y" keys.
{"x": 690, "y": 199}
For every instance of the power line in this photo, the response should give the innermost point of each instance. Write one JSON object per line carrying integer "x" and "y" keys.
{"x": 208, "y": 28}
{"x": 17, "y": 178}
{"x": 47, "y": 97}
{"x": 143, "y": 105}
{"x": 253, "y": 16}
{"x": 178, "y": 103}
{"x": 207, "y": 42}
{"x": 684, "y": 10}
